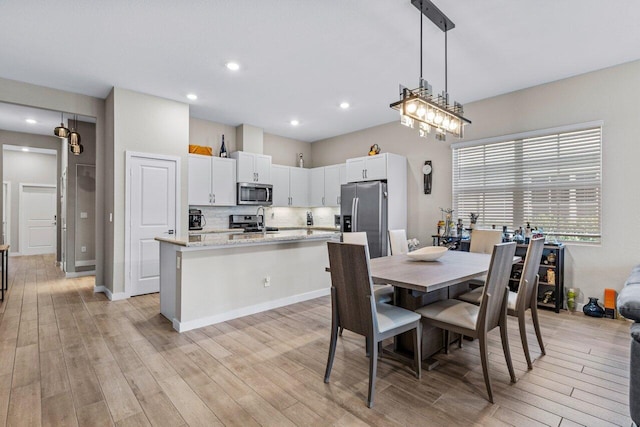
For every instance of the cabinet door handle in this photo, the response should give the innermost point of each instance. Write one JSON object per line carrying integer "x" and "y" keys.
{"x": 338, "y": 199}
{"x": 214, "y": 198}
{"x": 365, "y": 173}
{"x": 322, "y": 200}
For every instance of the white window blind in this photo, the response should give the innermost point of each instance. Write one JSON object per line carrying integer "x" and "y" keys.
{"x": 551, "y": 181}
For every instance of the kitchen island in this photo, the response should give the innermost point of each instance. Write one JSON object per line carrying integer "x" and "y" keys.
{"x": 214, "y": 277}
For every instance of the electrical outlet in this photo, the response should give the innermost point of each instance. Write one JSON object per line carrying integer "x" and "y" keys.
{"x": 267, "y": 281}
{"x": 84, "y": 215}
{"x": 83, "y": 249}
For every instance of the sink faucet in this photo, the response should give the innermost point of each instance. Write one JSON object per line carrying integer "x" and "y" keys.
{"x": 264, "y": 219}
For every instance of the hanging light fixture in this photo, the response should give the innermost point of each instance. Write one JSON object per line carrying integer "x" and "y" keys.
{"x": 419, "y": 106}
{"x": 61, "y": 131}
{"x": 74, "y": 138}
{"x": 76, "y": 149}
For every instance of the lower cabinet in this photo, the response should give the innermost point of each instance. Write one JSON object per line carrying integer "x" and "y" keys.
{"x": 551, "y": 273}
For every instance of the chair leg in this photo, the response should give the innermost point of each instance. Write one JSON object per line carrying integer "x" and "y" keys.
{"x": 536, "y": 326}
{"x": 523, "y": 337}
{"x": 505, "y": 348}
{"x": 367, "y": 344}
{"x": 341, "y": 329}
{"x": 373, "y": 368}
{"x": 460, "y": 341}
{"x": 332, "y": 352}
{"x": 484, "y": 357}
{"x": 417, "y": 349}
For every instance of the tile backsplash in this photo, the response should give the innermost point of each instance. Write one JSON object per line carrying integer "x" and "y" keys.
{"x": 218, "y": 217}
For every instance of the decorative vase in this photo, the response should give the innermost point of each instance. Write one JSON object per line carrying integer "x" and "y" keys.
{"x": 592, "y": 308}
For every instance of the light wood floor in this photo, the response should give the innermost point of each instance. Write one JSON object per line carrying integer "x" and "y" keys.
{"x": 69, "y": 357}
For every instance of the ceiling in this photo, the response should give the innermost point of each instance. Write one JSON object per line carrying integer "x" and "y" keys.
{"x": 301, "y": 59}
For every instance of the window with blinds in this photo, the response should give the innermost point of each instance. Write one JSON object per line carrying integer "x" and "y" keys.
{"x": 552, "y": 181}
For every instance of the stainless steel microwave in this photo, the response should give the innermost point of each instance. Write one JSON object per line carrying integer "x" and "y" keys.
{"x": 250, "y": 193}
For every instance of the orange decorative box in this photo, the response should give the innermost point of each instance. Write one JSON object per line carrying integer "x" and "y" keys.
{"x": 610, "y": 303}
{"x": 200, "y": 149}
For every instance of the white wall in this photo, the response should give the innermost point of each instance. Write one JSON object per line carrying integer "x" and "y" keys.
{"x": 282, "y": 150}
{"x": 25, "y": 168}
{"x": 146, "y": 124}
{"x": 610, "y": 95}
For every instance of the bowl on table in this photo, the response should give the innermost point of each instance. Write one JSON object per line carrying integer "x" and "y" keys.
{"x": 429, "y": 253}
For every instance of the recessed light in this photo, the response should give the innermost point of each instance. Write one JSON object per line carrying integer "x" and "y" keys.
{"x": 233, "y": 66}
{"x": 344, "y": 105}
{"x": 294, "y": 123}
{"x": 192, "y": 96}
{"x": 31, "y": 121}
{"x": 25, "y": 149}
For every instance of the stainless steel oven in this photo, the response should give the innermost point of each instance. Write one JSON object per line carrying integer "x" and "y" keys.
{"x": 255, "y": 194}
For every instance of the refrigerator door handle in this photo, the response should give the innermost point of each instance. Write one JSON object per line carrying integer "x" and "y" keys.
{"x": 354, "y": 218}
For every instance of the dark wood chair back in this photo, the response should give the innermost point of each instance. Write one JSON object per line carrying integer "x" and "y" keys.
{"x": 529, "y": 273}
{"x": 495, "y": 288}
{"x": 352, "y": 287}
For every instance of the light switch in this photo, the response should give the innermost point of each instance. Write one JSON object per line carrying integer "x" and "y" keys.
{"x": 83, "y": 215}
{"x": 83, "y": 249}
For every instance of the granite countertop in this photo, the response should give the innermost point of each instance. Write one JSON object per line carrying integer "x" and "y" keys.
{"x": 241, "y": 239}
{"x": 237, "y": 230}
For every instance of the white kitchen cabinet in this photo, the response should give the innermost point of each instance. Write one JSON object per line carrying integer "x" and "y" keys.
{"x": 280, "y": 182}
{"x": 290, "y": 186}
{"x": 368, "y": 168}
{"x": 212, "y": 181}
{"x": 316, "y": 187}
{"x": 324, "y": 185}
{"x": 253, "y": 167}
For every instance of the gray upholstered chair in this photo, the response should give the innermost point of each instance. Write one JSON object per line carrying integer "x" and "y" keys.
{"x": 354, "y": 308}
{"x": 629, "y": 306}
{"x": 476, "y": 321}
{"x": 398, "y": 242}
{"x": 525, "y": 299}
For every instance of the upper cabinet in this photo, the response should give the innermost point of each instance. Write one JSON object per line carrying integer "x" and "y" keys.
{"x": 290, "y": 186}
{"x": 212, "y": 181}
{"x": 253, "y": 167}
{"x": 368, "y": 168}
{"x": 324, "y": 185}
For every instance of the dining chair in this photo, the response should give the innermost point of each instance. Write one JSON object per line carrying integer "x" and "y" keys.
{"x": 398, "y": 242}
{"x": 525, "y": 299}
{"x": 383, "y": 293}
{"x": 354, "y": 308}
{"x": 476, "y": 321}
{"x": 482, "y": 242}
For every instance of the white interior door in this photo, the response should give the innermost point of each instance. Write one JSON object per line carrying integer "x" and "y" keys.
{"x": 152, "y": 201}
{"x": 6, "y": 210}
{"x": 37, "y": 219}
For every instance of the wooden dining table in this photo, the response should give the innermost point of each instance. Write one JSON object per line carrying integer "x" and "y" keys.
{"x": 419, "y": 283}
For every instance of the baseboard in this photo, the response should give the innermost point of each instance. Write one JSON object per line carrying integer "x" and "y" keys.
{"x": 71, "y": 275}
{"x": 87, "y": 263}
{"x": 112, "y": 297}
{"x": 246, "y": 311}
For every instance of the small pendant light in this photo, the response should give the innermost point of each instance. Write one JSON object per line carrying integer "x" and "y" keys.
{"x": 76, "y": 149}
{"x": 61, "y": 131}
{"x": 74, "y": 137}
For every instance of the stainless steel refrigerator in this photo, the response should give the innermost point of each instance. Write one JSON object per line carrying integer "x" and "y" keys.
{"x": 363, "y": 207}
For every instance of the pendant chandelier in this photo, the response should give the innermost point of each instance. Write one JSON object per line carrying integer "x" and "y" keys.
{"x": 74, "y": 139}
{"x": 419, "y": 106}
{"x": 61, "y": 131}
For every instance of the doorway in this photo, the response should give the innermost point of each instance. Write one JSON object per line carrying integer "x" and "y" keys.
{"x": 6, "y": 212}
